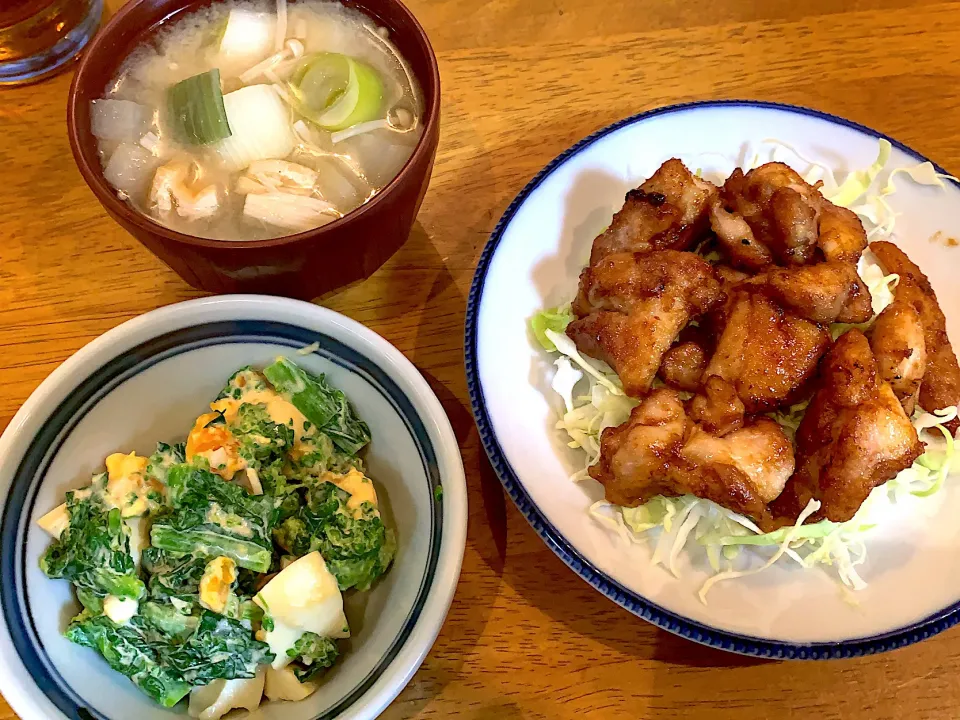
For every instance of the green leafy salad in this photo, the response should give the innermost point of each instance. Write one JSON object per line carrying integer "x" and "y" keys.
{"x": 594, "y": 400}
{"x": 216, "y": 568}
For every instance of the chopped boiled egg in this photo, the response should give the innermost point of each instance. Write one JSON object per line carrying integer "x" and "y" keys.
{"x": 120, "y": 610}
{"x": 218, "y": 577}
{"x": 213, "y": 701}
{"x": 127, "y": 486}
{"x": 55, "y": 521}
{"x": 280, "y": 410}
{"x": 216, "y": 445}
{"x": 359, "y": 486}
{"x": 282, "y": 684}
{"x": 303, "y": 597}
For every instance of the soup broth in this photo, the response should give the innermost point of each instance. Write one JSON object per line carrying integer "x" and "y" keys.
{"x": 252, "y": 120}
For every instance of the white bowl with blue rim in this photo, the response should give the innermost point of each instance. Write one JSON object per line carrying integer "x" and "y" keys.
{"x": 533, "y": 261}
{"x": 145, "y": 381}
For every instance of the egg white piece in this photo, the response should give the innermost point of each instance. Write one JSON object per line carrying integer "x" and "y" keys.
{"x": 303, "y": 597}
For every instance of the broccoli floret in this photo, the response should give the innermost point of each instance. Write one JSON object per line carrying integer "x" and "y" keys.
{"x": 128, "y": 650}
{"x": 261, "y": 439}
{"x": 165, "y": 457}
{"x": 293, "y": 534}
{"x": 218, "y": 648}
{"x": 318, "y": 455}
{"x": 288, "y": 505}
{"x": 210, "y": 517}
{"x": 264, "y": 444}
{"x": 312, "y": 653}
{"x": 327, "y": 408}
{"x": 355, "y": 545}
{"x": 93, "y": 552}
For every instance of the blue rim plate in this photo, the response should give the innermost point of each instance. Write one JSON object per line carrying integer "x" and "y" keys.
{"x": 607, "y": 163}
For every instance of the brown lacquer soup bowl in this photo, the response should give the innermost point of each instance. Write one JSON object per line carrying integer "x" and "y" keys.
{"x": 302, "y": 265}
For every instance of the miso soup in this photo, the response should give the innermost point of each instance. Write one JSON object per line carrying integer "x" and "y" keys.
{"x": 251, "y": 120}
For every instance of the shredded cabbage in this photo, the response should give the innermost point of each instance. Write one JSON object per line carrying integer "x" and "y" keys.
{"x": 723, "y": 533}
{"x": 593, "y": 400}
{"x": 859, "y": 181}
{"x": 555, "y": 319}
{"x": 881, "y": 293}
{"x": 858, "y": 191}
{"x": 790, "y": 419}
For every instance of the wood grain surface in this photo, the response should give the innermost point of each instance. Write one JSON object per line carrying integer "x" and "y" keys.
{"x": 522, "y": 80}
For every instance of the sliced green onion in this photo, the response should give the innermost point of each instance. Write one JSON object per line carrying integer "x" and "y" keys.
{"x": 214, "y": 36}
{"x": 335, "y": 91}
{"x": 322, "y": 79}
{"x": 196, "y": 111}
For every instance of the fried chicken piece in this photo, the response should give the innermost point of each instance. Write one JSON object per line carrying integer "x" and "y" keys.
{"x": 778, "y": 208}
{"x": 718, "y": 408}
{"x": 632, "y": 305}
{"x": 841, "y": 234}
{"x": 897, "y": 342}
{"x": 660, "y": 451}
{"x": 826, "y": 292}
{"x": 756, "y": 460}
{"x": 772, "y": 215}
{"x": 794, "y": 223}
{"x": 853, "y": 437}
{"x": 636, "y": 457}
{"x": 940, "y": 386}
{"x": 736, "y": 239}
{"x": 668, "y": 211}
{"x": 766, "y": 352}
{"x": 729, "y": 277}
{"x": 683, "y": 365}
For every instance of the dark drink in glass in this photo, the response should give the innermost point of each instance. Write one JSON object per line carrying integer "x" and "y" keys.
{"x": 40, "y": 37}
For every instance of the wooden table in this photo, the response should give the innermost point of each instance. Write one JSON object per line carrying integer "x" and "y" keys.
{"x": 522, "y": 80}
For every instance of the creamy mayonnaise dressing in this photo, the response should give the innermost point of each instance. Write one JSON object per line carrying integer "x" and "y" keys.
{"x": 126, "y": 488}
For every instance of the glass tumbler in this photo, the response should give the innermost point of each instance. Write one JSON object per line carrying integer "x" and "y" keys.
{"x": 40, "y": 37}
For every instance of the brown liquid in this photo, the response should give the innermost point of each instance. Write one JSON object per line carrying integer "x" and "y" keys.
{"x": 29, "y": 27}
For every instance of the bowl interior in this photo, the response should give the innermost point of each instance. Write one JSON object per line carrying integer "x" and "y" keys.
{"x": 137, "y": 21}
{"x": 128, "y": 400}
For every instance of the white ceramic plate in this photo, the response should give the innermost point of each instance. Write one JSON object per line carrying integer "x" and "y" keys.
{"x": 533, "y": 261}
{"x": 147, "y": 380}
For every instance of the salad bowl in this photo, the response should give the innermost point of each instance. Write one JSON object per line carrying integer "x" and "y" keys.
{"x": 146, "y": 380}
